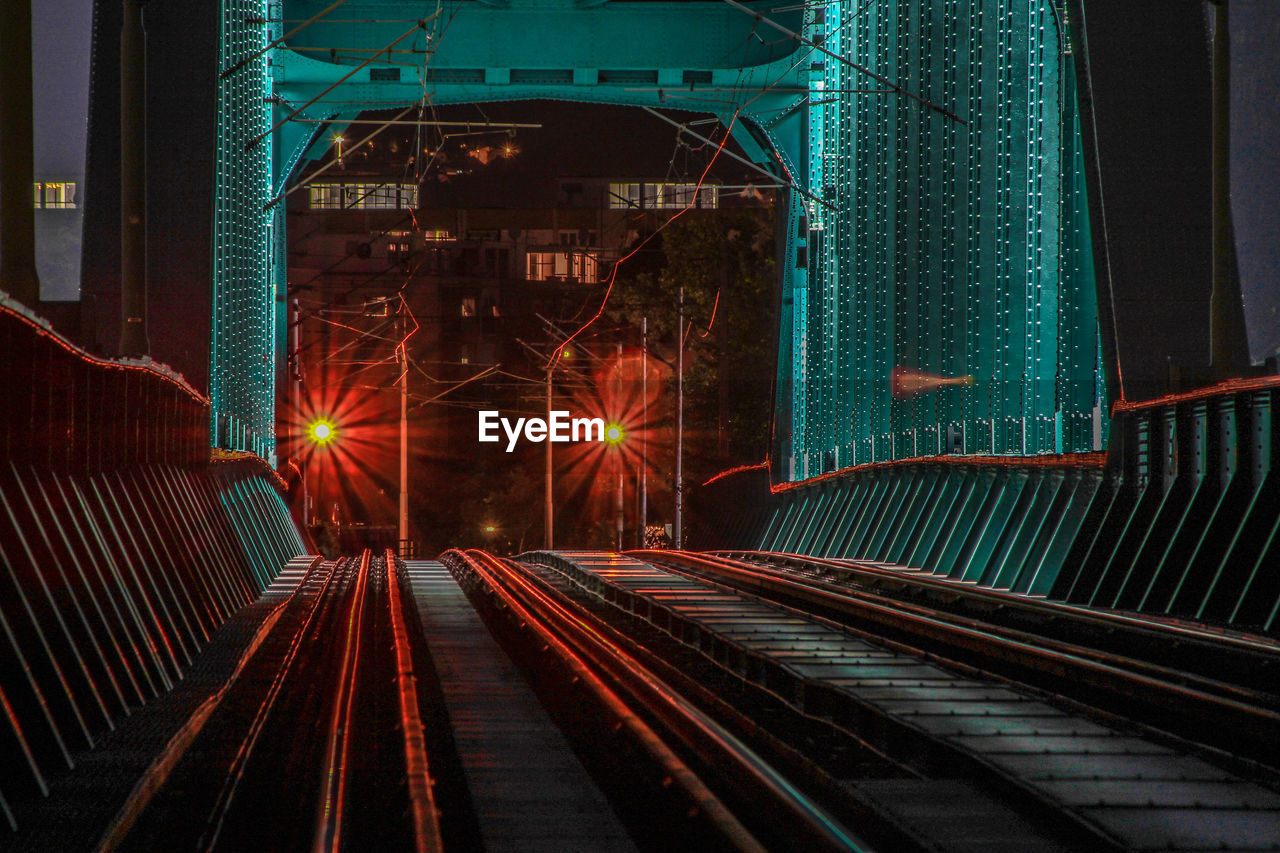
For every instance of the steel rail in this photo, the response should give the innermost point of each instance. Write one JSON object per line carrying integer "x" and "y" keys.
{"x": 236, "y": 773}
{"x": 1105, "y": 620}
{"x": 482, "y": 565}
{"x": 162, "y": 766}
{"x": 426, "y": 825}
{"x": 863, "y": 718}
{"x": 1235, "y": 717}
{"x": 329, "y": 811}
{"x": 805, "y": 822}
{"x": 1216, "y": 686}
{"x": 798, "y": 763}
{"x": 1225, "y": 656}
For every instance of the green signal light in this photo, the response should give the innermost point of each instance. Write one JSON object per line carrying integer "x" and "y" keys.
{"x": 321, "y": 431}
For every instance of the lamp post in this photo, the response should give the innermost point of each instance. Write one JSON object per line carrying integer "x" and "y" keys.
{"x": 643, "y": 484}
{"x": 548, "y": 513}
{"x": 321, "y": 432}
{"x": 677, "y": 531}
{"x": 614, "y": 435}
{"x": 403, "y": 532}
{"x": 620, "y": 503}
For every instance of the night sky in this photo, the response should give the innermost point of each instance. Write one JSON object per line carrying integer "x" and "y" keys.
{"x": 61, "y": 40}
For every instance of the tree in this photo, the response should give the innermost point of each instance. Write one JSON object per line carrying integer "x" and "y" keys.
{"x": 724, "y": 262}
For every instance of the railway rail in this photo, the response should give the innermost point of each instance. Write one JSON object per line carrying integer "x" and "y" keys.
{"x": 954, "y": 739}
{"x": 733, "y": 701}
{"x": 296, "y": 746}
{"x": 700, "y": 761}
{"x": 1214, "y": 687}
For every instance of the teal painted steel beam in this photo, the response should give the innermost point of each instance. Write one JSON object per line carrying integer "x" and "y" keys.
{"x": 949, "y": 242}
{"x": 699, "y": 56}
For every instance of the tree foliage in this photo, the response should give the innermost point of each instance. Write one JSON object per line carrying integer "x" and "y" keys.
{"x": 725, "y": 264}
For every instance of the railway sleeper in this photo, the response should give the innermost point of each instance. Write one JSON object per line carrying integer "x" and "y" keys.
{"x": 889, "y": 705}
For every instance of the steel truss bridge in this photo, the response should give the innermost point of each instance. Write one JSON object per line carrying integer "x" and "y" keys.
{"x": 940, "y": 617}
{"x": 935, "y": 216}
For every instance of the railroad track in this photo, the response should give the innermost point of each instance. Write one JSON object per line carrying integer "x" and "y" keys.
{"x": 729, "y": 701}
{"x": 307, "y": 743}
{"x": 719, "y": 793}
{"x": 902, "y": 746}
{"x": 1215, "y": 688}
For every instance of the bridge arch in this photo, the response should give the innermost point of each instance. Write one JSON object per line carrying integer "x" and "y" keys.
{"x": 938, "y": 222}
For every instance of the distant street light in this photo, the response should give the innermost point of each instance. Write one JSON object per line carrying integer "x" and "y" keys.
{"x": 322, "y": 431}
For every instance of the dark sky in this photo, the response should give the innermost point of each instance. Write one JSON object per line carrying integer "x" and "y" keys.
{"x": 1255, "y": 165}
{"x": 61, "y": 32}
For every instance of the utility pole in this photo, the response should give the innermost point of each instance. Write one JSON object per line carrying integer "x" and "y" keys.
{"x": 295, "y": 386}
{"x": 548, "y": 513}
{"x": 722, "y": 340}
{"x": 620, "y": 503}
{"x": 643, "y": 519}
{"x": 403, "y": 352}
{"x": 677, "y": 529}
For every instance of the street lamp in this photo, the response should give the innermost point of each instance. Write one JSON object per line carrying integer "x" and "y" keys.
{"x": 614, "y": 435}
{"x": 322, "y": 431}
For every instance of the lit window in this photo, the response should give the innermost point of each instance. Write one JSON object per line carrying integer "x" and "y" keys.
{"x": 542, "y": 265}
{"x": 664, "y": 196}
{"x": 364, "y": 196}
{"x": 55, "y": 194}
{"x": 563, "y": 266}
{"x": 437, "y": 235}
{"x": 623, "y": 196}
{"x": 468, "y": 306}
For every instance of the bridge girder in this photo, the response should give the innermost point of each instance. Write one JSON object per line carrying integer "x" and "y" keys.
{"x": 938, "y": 179}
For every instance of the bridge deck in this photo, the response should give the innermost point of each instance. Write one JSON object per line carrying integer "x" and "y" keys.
{"x": 528, "y": 788}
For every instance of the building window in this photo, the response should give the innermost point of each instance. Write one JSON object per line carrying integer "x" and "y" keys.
{"x": 563, "y": 266}
{"x": 399, "y": 245}
{"x": 364, "y": 196}
{"x": 438, "y": 235}
{"x": 55, "y": 195}
{"x": 497, "y": 262}
{"x": 647, "y": 196}
{"x": 468, "y": 306}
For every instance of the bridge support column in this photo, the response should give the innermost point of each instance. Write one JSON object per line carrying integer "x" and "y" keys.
{"x": 133, "y": 184}
{"x": 17, "y": 219}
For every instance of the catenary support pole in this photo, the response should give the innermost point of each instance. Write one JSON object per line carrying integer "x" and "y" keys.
{"x": 405, "y": 551}
{"x": 548, "y": 513}
{"x": 643, "y": 515}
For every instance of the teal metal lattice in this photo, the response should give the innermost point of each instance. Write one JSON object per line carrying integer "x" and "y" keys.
{"x": 949, "y": 247}
{"x": 242, "y": 352}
